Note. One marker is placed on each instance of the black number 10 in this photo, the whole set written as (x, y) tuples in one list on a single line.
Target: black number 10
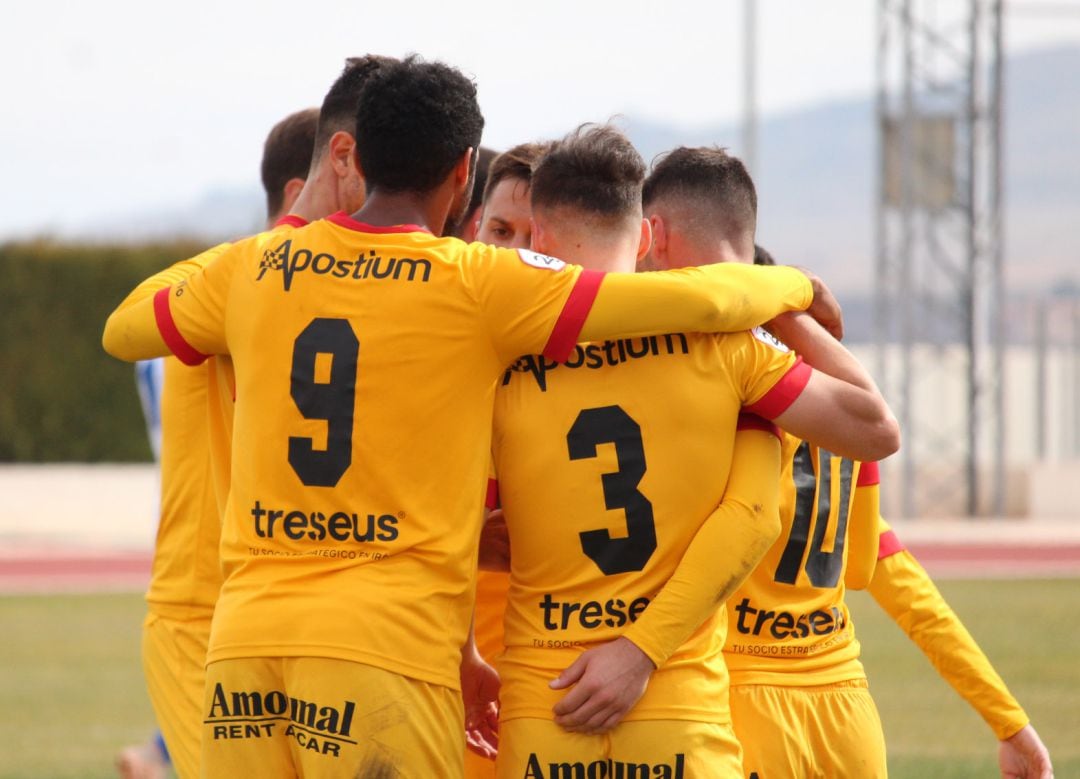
[(822, 568)]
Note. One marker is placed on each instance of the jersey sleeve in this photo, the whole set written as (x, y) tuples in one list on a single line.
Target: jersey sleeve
[(726, 548), (530, 303), (722, 298), (864, 528), (533, 303), (770, 375), (905, 591), (131, 332), (190, 315)]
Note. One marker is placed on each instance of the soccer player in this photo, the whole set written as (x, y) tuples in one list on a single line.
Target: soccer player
[(506, 213), (799, 697), (366, 352), (286, 161), (669, 407), (503, 220), (466, 227), (195, 406)]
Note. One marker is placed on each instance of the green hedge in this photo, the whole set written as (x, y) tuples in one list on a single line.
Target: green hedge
[(61, 397)]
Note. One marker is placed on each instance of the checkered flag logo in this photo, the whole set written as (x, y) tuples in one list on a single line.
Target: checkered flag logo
[(274, 259)]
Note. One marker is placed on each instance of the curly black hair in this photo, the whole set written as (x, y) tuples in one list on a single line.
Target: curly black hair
[(595, 169), (414, 122)]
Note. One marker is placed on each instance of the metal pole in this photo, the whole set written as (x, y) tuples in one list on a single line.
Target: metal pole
[(906, 260), (1075, 377), (750, 128), (997, 217), (969, 302), (883, 306), (1040, 378)]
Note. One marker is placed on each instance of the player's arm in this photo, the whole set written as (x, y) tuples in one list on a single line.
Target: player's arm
[(839, 408), (132, 331), (905, 591), (480, 696), (863, 528), (608, 680), (178, 311), (711, 298)]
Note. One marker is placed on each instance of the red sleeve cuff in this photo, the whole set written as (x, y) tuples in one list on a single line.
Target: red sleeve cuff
[(184, 351), (868, 475), (783, 394), (491, 500), (564, 336), (888, 545), (754, 422)]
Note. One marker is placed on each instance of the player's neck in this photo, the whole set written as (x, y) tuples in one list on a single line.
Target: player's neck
[(318, 199), (384, 209)]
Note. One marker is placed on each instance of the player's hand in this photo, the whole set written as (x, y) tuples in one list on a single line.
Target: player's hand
[(495, 543), (1023, 756), (480, 695), (825, 308), (607, 680)]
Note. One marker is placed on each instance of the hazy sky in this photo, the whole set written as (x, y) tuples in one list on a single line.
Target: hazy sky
[(121, 106)]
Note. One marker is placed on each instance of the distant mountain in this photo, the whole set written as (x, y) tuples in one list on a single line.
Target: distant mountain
[(816, 177), (816, 182)]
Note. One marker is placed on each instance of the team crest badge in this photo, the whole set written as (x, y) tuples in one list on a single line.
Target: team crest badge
[(541, 261)]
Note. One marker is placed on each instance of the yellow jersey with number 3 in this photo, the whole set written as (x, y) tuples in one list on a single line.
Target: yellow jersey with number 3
[(607, 466)]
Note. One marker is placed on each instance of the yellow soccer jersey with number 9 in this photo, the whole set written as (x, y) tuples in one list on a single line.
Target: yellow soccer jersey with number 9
[(607, 465)]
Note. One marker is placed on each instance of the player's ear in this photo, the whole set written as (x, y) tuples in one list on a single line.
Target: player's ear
[(537, 238), (342, 148), (659, 236), (463, 168), (645, 242), (291, 191)]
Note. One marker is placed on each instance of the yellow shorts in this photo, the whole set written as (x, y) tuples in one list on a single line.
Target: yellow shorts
[(827, 732), (317, 717), (670, 748), (174, 662)]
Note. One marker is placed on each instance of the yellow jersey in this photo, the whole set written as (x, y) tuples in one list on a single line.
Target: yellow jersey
[(607, 466), (788, 624), (365, 363)]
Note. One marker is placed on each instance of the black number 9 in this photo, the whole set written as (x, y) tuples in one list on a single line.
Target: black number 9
[(332, 400)]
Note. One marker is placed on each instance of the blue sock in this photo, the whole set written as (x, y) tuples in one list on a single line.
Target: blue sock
[(160, 741)]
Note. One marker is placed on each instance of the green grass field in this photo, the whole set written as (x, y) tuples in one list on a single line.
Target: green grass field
[(73, 690)]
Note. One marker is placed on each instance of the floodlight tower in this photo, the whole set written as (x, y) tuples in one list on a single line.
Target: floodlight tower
[(938, 285)]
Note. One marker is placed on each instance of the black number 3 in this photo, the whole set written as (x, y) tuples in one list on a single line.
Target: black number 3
[(612, 425), (332, 400)]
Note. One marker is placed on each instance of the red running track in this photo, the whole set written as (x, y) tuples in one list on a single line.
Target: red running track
[(76, 571)]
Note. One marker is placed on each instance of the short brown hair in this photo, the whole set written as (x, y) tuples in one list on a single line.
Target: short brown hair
[(338, 110), (287, 155), (515, 163), (709, 178), (594, 169)]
